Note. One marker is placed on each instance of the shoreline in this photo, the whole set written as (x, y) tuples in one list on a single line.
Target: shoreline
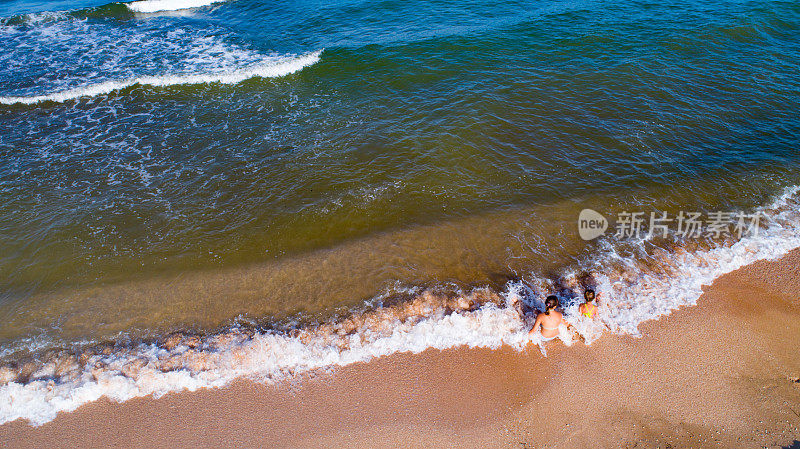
[(719, 374)]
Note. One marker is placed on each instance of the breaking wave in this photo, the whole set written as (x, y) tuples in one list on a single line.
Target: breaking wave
[(280, 66), (150, 6), (633, 289), (110, 10)]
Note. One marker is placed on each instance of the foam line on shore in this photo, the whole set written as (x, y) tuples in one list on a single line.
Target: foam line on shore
[(632, 291)]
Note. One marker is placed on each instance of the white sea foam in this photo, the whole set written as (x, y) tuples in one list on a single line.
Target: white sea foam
[(628, 296), (150, 6), (264, 356), (652, 293), (277, 67)]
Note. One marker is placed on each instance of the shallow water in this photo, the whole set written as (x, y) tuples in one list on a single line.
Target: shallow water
[(278, 165)]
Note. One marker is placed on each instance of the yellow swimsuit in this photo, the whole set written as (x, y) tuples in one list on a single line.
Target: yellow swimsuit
[(589, 313)]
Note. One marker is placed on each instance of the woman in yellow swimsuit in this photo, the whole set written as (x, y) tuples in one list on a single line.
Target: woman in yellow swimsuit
[(549, 321), (588, 309)]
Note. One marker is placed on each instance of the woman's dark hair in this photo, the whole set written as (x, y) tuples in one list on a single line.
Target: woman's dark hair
[(589, 295), (550, 303)]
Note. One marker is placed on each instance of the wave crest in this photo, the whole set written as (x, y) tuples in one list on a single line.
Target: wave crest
[(281, 67), (151, 6)]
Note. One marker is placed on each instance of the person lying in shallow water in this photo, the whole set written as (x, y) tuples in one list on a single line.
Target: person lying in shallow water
[(549, 320), (589, 308)]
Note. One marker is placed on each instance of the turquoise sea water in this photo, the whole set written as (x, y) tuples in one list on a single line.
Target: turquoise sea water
[(168, 168)]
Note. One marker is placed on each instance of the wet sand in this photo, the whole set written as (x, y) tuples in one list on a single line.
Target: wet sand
[(721, 374)]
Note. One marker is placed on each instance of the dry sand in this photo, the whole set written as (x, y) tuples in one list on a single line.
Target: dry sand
[(722, 374)]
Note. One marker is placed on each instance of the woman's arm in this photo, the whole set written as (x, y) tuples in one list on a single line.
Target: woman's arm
[(536, 324)]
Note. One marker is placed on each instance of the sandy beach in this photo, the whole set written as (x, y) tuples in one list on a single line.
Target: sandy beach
[(290, 224), (721, 374)]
